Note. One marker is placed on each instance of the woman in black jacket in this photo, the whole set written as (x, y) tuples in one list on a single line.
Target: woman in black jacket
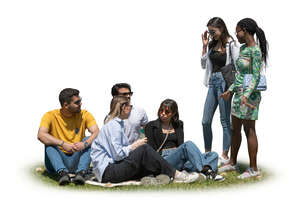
[(165, 135)]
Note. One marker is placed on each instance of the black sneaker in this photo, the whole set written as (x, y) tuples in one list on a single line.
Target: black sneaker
[(211, 175), (79, 178), (90, 175), (64, 178)]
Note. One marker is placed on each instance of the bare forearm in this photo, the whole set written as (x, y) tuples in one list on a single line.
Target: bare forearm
[(94, 130), (92, 138), (48, 139), (204, 50)]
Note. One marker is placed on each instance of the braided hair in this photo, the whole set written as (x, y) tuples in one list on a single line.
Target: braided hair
[(220, 24), (252, 28)]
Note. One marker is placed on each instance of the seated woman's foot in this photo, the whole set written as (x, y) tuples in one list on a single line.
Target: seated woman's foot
[(211, 175), (201, 176), (249, 173), (161, 179), (228, 167), (185, 177)]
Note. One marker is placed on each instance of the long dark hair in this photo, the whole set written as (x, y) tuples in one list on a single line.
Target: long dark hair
[(220, 24), (252, 28), (172, 105)]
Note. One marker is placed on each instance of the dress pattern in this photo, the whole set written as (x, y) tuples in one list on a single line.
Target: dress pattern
[(247, 55)]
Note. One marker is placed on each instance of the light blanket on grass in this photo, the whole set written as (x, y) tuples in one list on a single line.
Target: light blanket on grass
[(110, 185)]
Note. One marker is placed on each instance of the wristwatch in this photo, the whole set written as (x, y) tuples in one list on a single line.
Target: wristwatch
[(86, 144)]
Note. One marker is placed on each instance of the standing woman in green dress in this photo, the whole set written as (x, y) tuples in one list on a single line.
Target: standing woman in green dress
[(246, 101)]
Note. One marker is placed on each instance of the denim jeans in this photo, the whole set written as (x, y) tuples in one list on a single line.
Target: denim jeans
[(216, 88), (56, 160), (188, 157)]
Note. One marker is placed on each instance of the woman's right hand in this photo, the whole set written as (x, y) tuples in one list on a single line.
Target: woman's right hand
[(205, 39), (138, 143)]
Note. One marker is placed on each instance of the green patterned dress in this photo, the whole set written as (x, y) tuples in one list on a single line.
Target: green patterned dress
[(254, 97)]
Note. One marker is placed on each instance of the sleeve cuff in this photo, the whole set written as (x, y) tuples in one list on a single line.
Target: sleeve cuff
[(127, 150)]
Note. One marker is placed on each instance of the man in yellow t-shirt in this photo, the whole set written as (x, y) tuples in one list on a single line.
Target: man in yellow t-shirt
[(67, 150)]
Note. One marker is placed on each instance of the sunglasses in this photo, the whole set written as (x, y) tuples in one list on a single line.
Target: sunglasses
[(126, 93), (77, 102), (166, 111)]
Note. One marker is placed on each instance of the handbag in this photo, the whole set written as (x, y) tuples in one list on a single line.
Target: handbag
[(228, 71), (262, 84)]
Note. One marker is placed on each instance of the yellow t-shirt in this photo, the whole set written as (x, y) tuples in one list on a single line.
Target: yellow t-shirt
[(70, 130)]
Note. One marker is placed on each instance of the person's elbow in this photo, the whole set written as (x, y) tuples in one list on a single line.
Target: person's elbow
[(41, 136), (94, 130)]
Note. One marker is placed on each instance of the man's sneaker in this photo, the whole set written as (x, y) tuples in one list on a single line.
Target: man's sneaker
[(64, 177), (161, 179), (79, 178), (184, 177), (90, 175), (222, 161), (201, 177), (249, 173), (228, 167), (211, 175)]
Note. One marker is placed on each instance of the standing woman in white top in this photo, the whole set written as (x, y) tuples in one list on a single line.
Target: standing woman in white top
[(215, 55)]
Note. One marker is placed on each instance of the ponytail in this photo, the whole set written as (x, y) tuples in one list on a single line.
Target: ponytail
[(251, 26), (263, 43)]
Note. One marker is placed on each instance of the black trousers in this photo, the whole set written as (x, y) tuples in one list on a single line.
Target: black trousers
[(141, 162)]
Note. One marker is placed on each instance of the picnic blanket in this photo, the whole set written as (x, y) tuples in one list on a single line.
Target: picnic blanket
[(110, 185)]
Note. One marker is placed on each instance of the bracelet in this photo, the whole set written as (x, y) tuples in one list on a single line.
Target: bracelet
[(62, 143), (86, 144)]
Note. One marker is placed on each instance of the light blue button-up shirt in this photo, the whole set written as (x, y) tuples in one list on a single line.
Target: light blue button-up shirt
[(111, 145), (132, 126)]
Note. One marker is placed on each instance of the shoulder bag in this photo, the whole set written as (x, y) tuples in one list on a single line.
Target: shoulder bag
[(228, 71)]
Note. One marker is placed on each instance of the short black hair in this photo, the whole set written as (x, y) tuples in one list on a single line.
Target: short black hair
[(65, 96), (116, 87)]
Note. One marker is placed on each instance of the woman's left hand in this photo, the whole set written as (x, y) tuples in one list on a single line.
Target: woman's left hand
[(225, 95), (245, 101)]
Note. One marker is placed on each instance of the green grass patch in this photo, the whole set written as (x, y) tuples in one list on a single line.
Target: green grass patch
[(231, 181)]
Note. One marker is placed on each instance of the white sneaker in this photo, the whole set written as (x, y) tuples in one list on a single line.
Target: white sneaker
[(161, 179), (185, 177), (222, 161), (201, 177), (228, 167), (249, 173)]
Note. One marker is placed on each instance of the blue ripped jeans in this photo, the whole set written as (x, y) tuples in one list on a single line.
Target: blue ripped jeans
[(216, 88), (188, 157), (56, 160)]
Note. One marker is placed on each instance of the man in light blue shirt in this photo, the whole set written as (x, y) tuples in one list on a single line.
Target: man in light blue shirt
[(137, 118)]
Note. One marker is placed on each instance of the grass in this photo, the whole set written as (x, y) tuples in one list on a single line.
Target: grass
[(231, 181)]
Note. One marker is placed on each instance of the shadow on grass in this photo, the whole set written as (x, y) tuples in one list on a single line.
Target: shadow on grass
[(39, 173)]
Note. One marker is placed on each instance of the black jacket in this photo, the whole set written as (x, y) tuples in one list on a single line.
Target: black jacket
[(153, 132)]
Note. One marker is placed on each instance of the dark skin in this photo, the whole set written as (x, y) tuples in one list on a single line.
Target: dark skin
[(249, 125)]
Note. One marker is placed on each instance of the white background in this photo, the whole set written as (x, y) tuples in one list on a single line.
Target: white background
[(155, 46)]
